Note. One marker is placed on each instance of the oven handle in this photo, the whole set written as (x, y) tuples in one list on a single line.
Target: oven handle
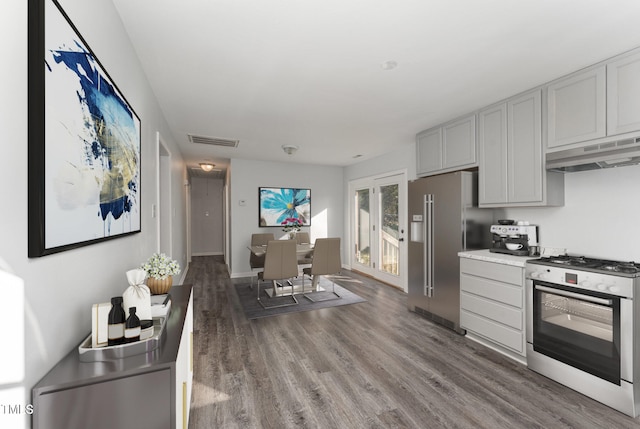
[(593, 299)]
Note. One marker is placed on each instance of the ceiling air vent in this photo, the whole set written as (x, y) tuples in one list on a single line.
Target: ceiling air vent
[(214, 141)]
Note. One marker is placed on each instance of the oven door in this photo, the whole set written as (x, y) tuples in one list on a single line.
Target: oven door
[(580, 328)]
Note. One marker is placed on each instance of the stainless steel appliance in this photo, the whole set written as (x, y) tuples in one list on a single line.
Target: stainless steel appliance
[(443, 220), (582, 316), (606, 154), (513, 239)]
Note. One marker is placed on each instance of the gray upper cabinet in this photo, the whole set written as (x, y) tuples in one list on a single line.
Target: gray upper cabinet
[(511, 164), (429, 150), (449, 147), (525, 165), (459, 143), (595, 104), (492, 155), (623, 95), (577, 108)]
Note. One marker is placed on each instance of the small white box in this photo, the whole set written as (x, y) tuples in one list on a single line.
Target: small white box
[(100, 324)]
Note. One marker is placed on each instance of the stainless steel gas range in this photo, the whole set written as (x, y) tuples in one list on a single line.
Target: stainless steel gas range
[(582, 316)]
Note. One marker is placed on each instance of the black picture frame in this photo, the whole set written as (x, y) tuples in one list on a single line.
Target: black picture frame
[(84, 141), (277, 204)]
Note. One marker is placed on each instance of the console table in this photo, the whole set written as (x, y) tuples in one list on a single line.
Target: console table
[(151, 390)]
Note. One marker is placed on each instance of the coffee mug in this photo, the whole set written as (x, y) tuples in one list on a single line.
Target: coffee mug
[(514, 246)]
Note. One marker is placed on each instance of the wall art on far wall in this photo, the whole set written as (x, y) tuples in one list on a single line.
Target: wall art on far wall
[(278, 204), (84, 141)]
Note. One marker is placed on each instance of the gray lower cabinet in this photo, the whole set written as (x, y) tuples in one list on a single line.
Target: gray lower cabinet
[(147, 391), (492, 305), (511, 163)]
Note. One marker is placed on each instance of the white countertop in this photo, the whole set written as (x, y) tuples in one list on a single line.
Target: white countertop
[(499, 258)]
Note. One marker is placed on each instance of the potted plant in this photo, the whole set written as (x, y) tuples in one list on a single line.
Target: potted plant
[(160, 270), (291, 225)]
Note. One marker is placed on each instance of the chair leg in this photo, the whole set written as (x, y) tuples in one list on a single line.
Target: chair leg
[(267, 307), (326, 299)]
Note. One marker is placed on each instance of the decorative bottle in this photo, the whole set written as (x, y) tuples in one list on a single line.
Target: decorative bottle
[(132, 327), (117, 319)]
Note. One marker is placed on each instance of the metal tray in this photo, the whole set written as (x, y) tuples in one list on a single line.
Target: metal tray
[(110, 353)]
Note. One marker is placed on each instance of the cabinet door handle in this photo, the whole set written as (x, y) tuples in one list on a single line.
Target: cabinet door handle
[(184, 405), (191, 351)]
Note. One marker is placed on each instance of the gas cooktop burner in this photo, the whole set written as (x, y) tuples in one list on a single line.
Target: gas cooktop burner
[(592, 264), (622, 267)]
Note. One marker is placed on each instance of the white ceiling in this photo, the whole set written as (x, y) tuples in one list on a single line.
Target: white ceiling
[(309, 73)]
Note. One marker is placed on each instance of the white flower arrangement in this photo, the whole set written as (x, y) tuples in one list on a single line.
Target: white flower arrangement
[(160, 266)]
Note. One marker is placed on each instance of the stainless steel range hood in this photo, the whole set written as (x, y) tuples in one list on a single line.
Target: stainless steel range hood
[(616, 153)]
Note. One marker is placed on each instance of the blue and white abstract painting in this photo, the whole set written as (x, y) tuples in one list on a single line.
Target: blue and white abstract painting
[(278, 204), (92, 143)]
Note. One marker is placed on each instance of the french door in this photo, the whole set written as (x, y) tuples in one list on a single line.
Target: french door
[(377, 228)]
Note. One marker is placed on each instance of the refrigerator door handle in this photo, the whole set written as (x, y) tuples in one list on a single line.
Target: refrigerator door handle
[(428, 246)]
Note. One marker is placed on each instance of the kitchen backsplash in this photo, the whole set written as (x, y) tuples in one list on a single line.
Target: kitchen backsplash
[(600, 218)]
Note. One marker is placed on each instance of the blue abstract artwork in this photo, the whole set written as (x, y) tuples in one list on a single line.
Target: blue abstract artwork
[(91, 143), (279, 204)]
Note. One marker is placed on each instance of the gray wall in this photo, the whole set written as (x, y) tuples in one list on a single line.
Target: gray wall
[(60, 288), (207, 221), (247, 176)]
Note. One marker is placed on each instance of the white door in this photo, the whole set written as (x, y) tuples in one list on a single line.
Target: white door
[(378, 224), (164, 213)]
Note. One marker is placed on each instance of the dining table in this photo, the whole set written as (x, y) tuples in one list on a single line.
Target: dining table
[(301, 249)]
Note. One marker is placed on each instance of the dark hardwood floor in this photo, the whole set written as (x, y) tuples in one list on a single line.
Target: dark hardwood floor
[(368, 365)]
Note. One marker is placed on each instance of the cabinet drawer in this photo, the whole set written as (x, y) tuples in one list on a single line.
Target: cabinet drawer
[(109, 404), (492, 270), (497, 291), (501, 313), (497, 333)]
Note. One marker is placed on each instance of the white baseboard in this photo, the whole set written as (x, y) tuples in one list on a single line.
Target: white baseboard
[(249, 274), (208, 254)]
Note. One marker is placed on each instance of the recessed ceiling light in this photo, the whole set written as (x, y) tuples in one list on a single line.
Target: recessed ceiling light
[(389, 65)]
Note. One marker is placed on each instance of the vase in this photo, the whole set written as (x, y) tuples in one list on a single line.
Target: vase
[(159, 286), (292, 235)]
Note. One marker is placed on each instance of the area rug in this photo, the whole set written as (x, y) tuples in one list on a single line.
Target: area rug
[(253, 309)]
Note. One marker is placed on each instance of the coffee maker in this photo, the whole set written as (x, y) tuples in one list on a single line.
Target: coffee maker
[(513, 239)]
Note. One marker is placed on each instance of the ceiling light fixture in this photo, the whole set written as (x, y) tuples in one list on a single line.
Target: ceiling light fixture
[(289, 149), (207, 166), (389, 65)]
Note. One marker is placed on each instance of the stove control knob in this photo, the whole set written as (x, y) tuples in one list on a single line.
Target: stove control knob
[(601, 286), (586, 284), (534, 274), (614, 289)]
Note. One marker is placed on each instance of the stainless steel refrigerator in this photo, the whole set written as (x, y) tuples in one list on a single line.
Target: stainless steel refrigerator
[(444, 219)]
